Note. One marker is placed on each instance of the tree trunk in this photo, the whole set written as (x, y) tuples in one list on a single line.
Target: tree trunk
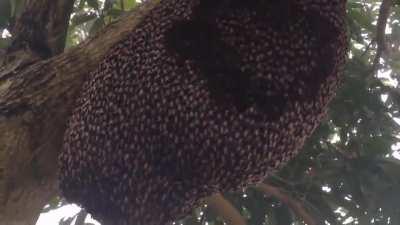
[(36, 97)]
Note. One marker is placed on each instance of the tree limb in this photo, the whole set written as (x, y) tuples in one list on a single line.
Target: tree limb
[(42, 27), (50, 81), (35, 102), (292, 203), (384, 13), (225, 209)]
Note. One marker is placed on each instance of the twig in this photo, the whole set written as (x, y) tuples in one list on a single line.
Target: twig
[(368, 47)]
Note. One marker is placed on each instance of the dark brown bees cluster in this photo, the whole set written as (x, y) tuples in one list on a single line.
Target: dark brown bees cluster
[(202, 97)]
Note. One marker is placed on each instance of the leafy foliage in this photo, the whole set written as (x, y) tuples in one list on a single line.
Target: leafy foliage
[(9, 11), (90, 16)]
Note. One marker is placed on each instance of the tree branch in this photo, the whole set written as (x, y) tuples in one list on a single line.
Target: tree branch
[(51, 81), (292, 203), (384, 13), (42, 27), (35, 102), (225, 209)]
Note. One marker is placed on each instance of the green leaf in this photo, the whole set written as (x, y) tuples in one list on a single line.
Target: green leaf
[(97, 25), (108, 4), (377, 145), (81, 4), (125, 5), (79, 19), (5, 13), (129, 4), (114, 12), (93, 3), (4, 42), (16, 7), (245, 213), (320, 206), (283, 215), (361, 18), (391, 166)]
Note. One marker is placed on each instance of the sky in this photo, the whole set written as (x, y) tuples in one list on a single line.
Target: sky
[(54, 216)]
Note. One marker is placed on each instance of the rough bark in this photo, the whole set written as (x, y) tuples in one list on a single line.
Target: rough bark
[(42, 27), (35, 100), (381, 49)]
